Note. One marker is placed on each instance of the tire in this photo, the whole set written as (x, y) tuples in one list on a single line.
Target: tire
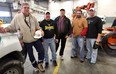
[(11, 67), (107, 46)]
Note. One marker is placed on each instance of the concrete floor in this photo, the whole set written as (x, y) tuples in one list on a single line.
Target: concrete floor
[(105, 64)]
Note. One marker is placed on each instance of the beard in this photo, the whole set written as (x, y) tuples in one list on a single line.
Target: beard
[(78, 16)]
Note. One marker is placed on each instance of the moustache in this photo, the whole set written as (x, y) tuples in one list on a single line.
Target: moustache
[(78, 16)]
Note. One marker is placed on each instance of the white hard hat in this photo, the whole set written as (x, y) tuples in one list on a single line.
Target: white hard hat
[(38, 34)]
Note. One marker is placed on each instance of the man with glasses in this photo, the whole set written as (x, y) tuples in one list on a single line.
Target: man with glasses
[(79, 29)]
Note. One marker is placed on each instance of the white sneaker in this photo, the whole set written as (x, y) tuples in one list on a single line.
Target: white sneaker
[(61, 58), (36, 69)]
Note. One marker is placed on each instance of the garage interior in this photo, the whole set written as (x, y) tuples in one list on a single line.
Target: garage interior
[(106, 64)]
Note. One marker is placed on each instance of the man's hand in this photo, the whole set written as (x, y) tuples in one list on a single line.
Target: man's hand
[(42, 32), (98, 38), (2, 30), (42, 42), (71, 35), (21, 42), (66, 36), (56, 40)]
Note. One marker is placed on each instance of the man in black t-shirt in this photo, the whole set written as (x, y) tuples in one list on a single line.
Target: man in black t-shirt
[(93, 34), (50, 30)]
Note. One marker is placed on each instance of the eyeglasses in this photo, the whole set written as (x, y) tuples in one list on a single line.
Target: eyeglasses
[(26, 7)]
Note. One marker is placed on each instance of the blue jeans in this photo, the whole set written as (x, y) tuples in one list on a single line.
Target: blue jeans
[(49, 43), (78, 42), (92, 53)]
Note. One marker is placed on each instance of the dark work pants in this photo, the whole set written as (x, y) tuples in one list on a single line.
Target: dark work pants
[(39, 48), (63, 42)]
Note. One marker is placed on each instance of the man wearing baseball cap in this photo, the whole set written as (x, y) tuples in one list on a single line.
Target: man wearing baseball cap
[(93, 34), (79, 29), (50, 31)]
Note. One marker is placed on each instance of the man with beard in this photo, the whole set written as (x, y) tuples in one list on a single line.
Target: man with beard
[(79, 29)]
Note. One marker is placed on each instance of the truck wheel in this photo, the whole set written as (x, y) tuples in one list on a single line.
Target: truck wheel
[(109, 44), (11, 67)]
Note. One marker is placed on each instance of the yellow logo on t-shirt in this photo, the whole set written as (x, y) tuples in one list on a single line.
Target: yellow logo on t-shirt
[(49, 27)]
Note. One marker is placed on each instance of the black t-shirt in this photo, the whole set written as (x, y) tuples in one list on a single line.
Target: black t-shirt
[(49, 28), (94, 27)]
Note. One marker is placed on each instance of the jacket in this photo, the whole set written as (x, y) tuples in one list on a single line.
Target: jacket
[(78, 25), (67, 25), (18, 23)]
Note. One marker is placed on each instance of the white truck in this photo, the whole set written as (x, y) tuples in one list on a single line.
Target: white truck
[(11, 57)]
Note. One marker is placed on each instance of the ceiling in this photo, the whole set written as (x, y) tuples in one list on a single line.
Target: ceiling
[(43, 3)]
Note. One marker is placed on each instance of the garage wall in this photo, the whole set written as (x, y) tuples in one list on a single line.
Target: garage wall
[(39, 16), (54, 7), (107, 8), (5, 13)]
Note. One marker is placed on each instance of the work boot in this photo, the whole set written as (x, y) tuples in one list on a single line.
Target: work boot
[(81, 61), (55, 63), (73, 57), (46, 65), (40, 67)]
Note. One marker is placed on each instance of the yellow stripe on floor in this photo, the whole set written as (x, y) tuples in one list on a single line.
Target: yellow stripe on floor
[(57, 67)]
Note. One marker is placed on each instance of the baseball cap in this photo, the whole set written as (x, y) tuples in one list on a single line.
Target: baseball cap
[(62, 9), (38, 34), (47, 13), (92, 9)]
